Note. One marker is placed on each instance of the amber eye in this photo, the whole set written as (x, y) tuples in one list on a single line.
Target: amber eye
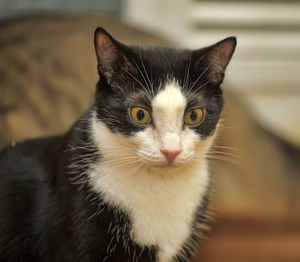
[(194, 116), (140, 115)]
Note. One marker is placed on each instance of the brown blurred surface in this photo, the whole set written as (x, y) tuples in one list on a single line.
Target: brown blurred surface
[(244, 239), (47, 79)]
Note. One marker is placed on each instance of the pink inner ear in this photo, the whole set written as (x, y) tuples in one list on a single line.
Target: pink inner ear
[(222, 52), (216, 59), (107, 52), (112, 62)]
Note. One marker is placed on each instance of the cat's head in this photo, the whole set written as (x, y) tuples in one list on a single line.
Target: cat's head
[(157, 107)]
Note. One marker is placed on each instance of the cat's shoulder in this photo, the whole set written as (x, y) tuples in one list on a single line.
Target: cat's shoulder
[(29, 157)]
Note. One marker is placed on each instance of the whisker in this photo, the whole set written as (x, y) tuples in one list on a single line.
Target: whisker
[(227, 147), (199, 77), (147, 91), (197, 89), (118, 164), (219, 157), (141, 58), (144, 88), (79, 147), (187, 72), (225, 159), (224, 153)]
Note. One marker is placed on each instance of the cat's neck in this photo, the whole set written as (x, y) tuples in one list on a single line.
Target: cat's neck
[(161, 208)]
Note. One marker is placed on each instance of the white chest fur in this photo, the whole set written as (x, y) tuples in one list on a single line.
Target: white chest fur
[(161, 208)]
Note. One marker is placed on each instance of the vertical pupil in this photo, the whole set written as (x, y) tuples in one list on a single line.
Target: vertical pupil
[(140, 115), (193, 115)]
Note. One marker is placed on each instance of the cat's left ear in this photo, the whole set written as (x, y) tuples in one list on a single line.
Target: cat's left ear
[(112, 61), (216, 58)]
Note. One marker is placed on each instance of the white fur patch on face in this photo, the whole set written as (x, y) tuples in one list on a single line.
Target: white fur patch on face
[(132, 174), (167, 132), (167, 113)]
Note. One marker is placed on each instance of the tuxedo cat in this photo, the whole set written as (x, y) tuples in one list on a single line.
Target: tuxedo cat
[(129, 181)]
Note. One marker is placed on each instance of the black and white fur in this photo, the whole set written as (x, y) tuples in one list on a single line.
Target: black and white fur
[(104, 191)]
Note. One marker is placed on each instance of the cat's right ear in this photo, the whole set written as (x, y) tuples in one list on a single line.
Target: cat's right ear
[(112, 62), (215, 59)]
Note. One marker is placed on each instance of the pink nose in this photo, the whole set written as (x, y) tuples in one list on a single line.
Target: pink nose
[(170, 155)]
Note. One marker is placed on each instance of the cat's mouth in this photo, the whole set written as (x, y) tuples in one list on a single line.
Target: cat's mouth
[(166, 165)]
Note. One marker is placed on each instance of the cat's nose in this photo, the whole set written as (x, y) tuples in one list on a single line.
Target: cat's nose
[(170, 154)]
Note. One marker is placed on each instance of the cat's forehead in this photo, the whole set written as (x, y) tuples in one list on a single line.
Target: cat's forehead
[(157, 69), (161, 53), (161, 63), (166, 96), (170, 97)]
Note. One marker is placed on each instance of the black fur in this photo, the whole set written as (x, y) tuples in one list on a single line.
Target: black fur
[(48, 212)]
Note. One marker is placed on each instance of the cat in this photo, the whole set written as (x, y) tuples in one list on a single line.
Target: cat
[(129, 181)]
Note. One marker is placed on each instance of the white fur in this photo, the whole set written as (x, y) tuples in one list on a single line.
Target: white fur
[(133, 174), (167, 112)]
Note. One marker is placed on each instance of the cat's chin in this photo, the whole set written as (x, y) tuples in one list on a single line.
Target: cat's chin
[(166, 166)]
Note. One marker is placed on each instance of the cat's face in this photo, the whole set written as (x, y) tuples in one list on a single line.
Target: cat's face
[(157, 107)]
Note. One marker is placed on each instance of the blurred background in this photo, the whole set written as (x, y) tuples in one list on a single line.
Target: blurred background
[(48, 75)]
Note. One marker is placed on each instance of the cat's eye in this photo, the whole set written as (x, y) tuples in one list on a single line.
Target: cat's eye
[(140, 115), (194, 116)]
